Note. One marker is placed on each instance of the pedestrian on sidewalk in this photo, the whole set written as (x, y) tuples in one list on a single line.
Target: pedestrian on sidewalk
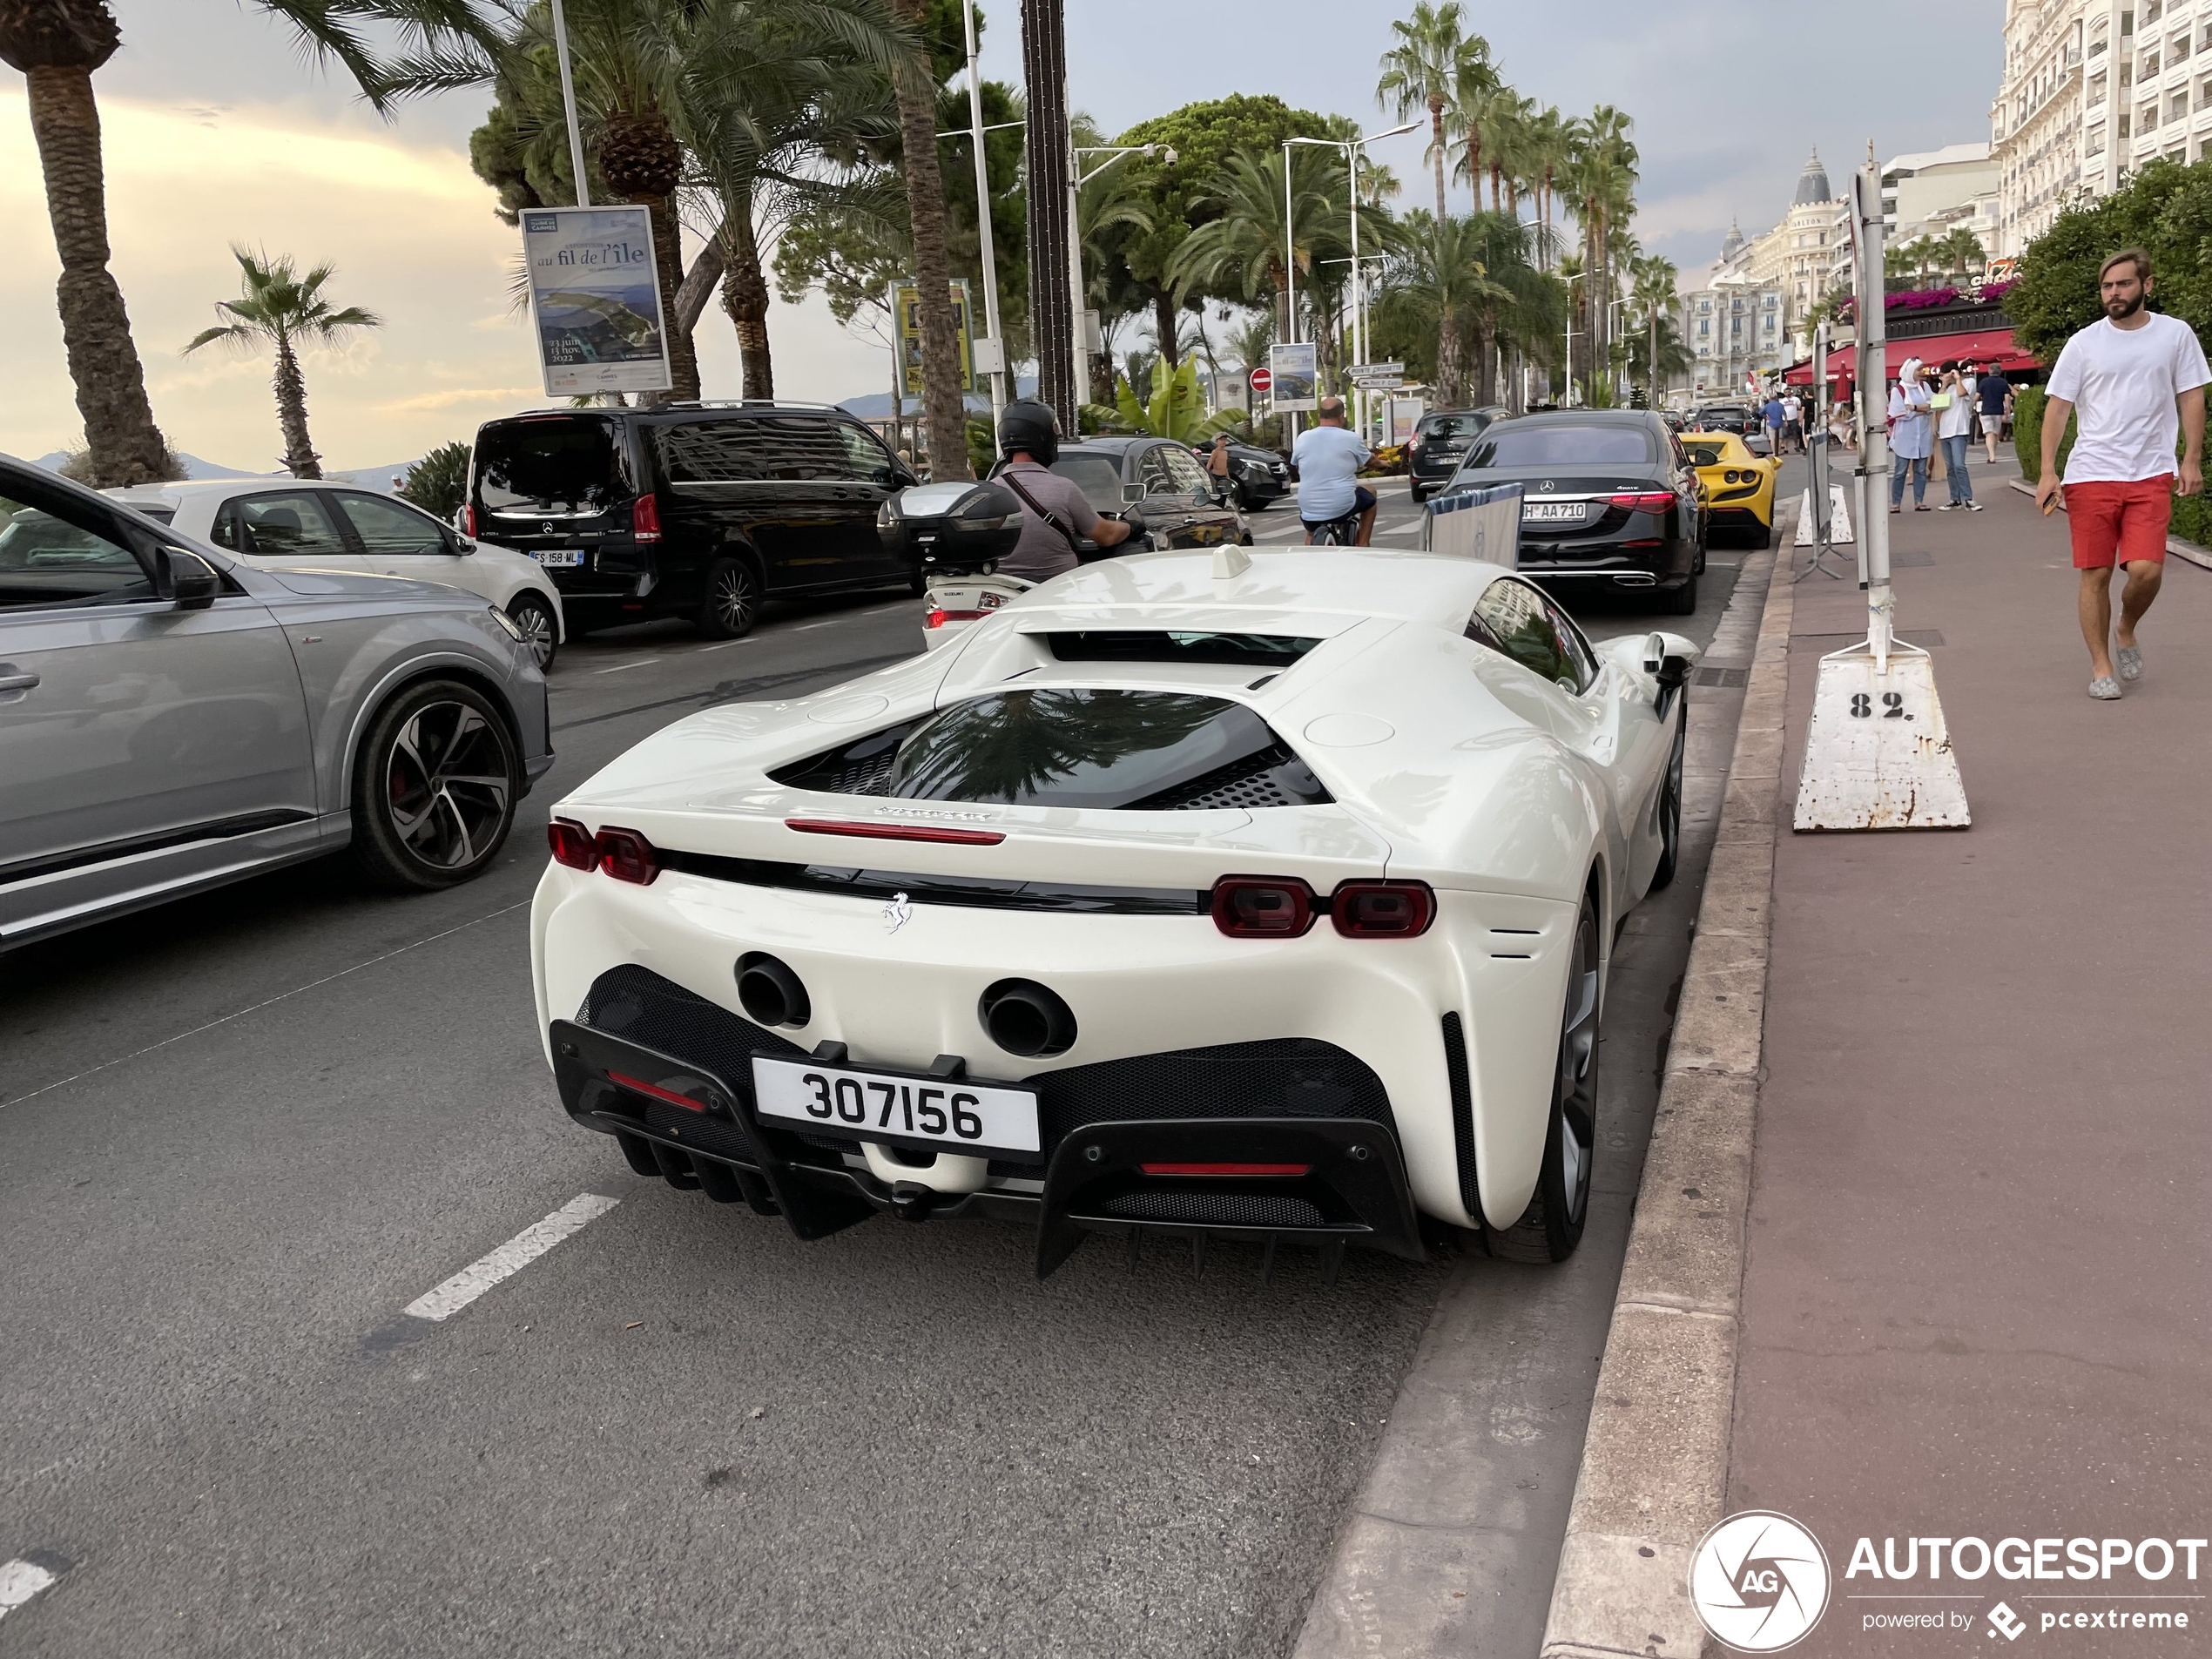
[(1772, 415), (1843, 424), (1912, 436), (1793, 422), (2130, 380), (1954, 426), (1996, 395)]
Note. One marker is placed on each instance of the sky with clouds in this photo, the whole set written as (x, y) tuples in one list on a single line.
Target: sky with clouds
[(216, 131)]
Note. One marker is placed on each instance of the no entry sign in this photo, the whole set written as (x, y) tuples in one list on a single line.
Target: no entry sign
[(1263, 378)]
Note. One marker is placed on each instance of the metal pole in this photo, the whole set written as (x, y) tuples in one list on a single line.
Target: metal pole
[(1359, 334), (1075, 292), (1290, 275), (1044, 70), (567, 103), (1873, 449), (983, 221)]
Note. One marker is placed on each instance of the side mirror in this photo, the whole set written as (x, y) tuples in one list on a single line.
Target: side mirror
[(1132, 495), (459, 543), (192, 582)]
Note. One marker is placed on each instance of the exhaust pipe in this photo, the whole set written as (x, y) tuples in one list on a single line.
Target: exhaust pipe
[(1635, 579), (770, 993), (1024, 1018)]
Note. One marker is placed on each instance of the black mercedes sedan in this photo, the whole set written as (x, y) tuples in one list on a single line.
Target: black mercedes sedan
[(1258, 476), (1610, 498)]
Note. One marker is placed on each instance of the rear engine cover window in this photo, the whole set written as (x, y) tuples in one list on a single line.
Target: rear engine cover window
[(1080, 746), (564, 465), (1101, 645), (1513, 443)]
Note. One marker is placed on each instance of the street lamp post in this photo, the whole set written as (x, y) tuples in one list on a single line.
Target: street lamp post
[(1566, 366), (568, 104), (983, 225), (1351, 148), (1076, 180)]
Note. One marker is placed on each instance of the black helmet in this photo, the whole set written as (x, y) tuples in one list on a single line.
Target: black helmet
[(1030, 425)]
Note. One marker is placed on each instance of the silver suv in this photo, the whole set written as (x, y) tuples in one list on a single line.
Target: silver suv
[(172, 719)]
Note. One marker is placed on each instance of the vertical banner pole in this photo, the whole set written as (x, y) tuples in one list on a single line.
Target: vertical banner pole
[(568, 104), (983, 223), (1874, 447)]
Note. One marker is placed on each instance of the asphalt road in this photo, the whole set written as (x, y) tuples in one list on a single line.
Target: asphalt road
[(239, 1134)]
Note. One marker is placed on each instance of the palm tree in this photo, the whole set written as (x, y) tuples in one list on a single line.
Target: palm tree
[(57, 44), (943, 388), (284, 310), (1473, 85), (1963, 252), (1435, 286), (1495, 140), (1655, 279), (1549, 151), (1424, 71), (1244, 250), (1603, 178)]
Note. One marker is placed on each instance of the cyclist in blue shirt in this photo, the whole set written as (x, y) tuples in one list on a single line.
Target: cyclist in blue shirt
[(1327, 459)]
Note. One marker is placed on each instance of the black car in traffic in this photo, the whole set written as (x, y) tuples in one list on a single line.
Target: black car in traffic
[(689, 509), (1610, 499), (1256, 476), (1439, 439)]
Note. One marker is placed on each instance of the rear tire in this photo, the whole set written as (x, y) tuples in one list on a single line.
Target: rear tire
[(1418, 494), (434, 787), (1765, 538), (1552, 1226), (1670, 801), (534, 617), (731, 604), (1682, 601)]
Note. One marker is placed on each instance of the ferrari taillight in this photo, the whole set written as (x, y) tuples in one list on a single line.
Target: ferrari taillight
[(627, 856), (571, 843), (1382, 909), (939, 618), (1262, 907), (1644, 501)]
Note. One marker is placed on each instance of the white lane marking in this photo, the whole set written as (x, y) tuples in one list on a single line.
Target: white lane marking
[(19, 1582), (432, 938), (719, 644), (518, 1252), (619, 667)]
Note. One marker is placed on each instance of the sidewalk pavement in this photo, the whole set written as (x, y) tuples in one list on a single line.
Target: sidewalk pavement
[(1980, 1260)]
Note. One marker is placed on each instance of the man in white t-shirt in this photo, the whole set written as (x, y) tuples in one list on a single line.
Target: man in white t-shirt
[(2131, 380), (1327, 458)]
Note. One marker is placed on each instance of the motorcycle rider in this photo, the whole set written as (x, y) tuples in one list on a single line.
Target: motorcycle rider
[(1054, 510), (1327, 460)]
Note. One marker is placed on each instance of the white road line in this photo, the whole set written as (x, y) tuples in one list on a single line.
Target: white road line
[(19, 1582), (619, 667), (518, 1252), (445, 932)]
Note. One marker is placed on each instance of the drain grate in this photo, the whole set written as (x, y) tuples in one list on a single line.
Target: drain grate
[(1723, 677)]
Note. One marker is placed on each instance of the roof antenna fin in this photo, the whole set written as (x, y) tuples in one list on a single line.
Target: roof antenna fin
[(1230, 561)]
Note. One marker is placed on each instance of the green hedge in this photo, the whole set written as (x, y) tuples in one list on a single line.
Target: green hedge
[(2192, 514)]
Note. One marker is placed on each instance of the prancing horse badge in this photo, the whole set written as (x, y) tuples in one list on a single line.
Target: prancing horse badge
[(897, 913)]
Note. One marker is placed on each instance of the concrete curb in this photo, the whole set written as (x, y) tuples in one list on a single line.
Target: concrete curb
[(2175, 545), (1655, 1462)]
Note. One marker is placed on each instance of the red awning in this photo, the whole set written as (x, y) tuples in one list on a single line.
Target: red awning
[(1984, 346)]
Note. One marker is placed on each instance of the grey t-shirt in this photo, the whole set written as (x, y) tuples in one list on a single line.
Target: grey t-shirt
[(1042, 552)]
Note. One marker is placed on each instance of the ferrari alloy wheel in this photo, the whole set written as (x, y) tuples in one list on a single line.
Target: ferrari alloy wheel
[(1670, 804), (731, 604), (534, 617), (434, 787), (1552, 1225)]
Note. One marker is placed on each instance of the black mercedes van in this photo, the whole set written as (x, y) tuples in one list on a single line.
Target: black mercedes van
[(689, 509)]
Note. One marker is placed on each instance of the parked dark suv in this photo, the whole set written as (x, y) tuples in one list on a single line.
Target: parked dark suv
[(689, 509), (1439, 439)]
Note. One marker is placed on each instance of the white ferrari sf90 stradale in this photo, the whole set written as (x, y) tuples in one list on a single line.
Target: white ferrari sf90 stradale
[(1264, 896)]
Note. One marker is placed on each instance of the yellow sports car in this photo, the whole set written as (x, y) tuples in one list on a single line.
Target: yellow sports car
[(1739, 486)]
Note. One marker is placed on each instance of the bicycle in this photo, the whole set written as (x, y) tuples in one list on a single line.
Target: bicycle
[(1339, 532)]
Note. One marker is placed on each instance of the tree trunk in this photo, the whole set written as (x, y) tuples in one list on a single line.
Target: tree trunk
[(943, 386), (744, 296), (300, 457), (1436, 127), (1164, 319), (124, 446), (1447, 360), (1475, 165), (1486, 385), (668, 260)]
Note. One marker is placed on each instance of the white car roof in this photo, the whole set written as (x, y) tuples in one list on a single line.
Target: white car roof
[(179, 489)]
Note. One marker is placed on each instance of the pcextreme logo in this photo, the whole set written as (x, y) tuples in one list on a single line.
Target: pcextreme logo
[(1760, 1582)]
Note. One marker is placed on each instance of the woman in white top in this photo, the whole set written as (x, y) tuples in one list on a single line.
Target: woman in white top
[(1911, 440), (1954, 429), (1842, 428)]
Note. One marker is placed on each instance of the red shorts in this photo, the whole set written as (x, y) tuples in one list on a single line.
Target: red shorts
[(2118, 524)]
